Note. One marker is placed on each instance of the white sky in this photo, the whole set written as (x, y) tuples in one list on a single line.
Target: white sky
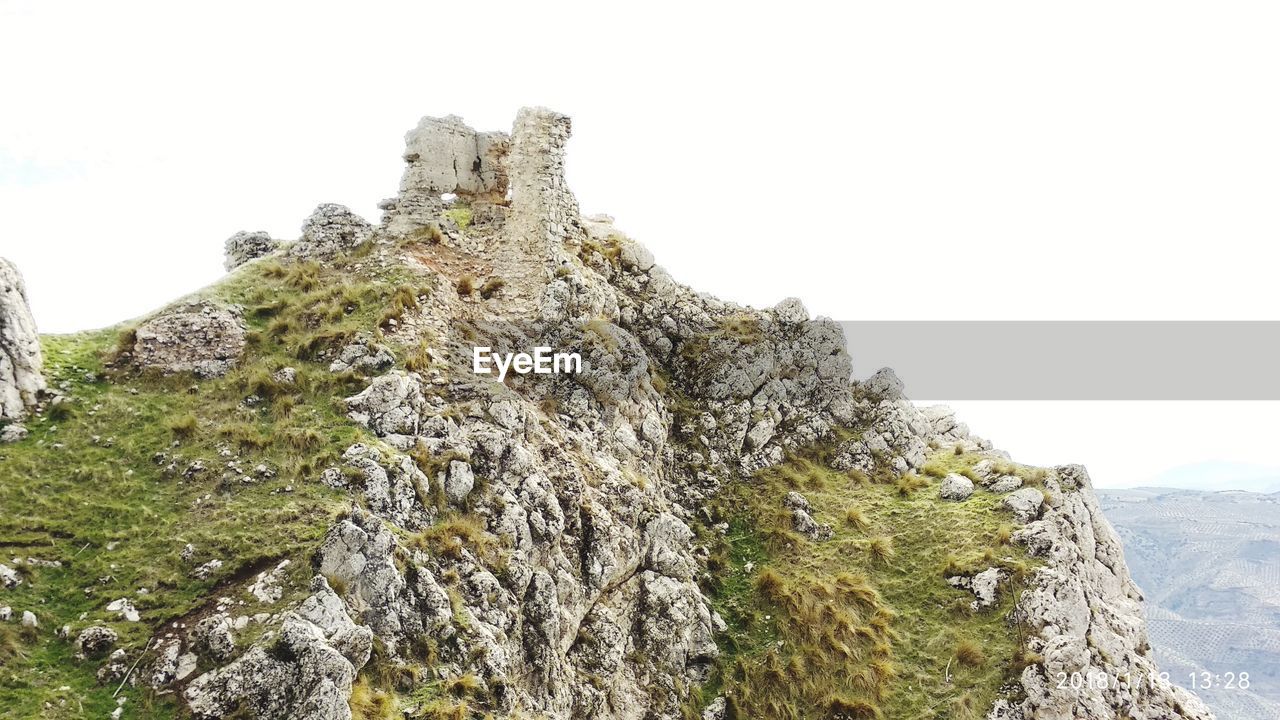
[(915, 160)]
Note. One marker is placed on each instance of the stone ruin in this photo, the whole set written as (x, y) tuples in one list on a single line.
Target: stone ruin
[(21, 381), (514, 180), (513, 183)]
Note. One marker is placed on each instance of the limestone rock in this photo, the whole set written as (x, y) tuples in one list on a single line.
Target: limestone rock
[(245, 246), (95, 640), (1085, 616), (9, 578), (1025, 503), (329, 230), (29, 619), (391, 405), (801, 519), (21, 381), (458, 481), (213, 637), (1006, 483), (363, 355), (198, 337), (13, 433), (114, 668), (983, 585), (299, 671), (956, 487)]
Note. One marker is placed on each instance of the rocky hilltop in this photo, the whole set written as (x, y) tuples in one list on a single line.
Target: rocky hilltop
[(289, 495)]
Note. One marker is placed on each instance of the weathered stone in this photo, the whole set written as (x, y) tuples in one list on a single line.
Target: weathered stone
[(213, 637), (458, 482), (1006, 483), (9, 578), (198, 337), (245, 246), (125, 609), (268, 587), (1025, 503), (363, 355), (13, 433), (301, 672), (956, 487), (329, 230), (392, 404), (1084, 614), (21, 381), (95, 640)]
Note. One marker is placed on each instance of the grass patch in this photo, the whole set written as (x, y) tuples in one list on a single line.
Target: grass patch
[(139, 471), (863, 625)]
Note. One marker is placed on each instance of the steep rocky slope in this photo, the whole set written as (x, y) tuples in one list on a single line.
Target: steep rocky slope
[(290, 495)]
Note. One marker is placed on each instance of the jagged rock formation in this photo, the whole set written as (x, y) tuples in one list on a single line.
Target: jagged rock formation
[(20, 360), (541, 543), (1087, 617)]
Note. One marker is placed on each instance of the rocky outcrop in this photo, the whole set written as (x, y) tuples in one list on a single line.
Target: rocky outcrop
[(329, 230), (536, 535), (21, 381), (1086, 619), (198, 337), (245, 246), (304, 669)]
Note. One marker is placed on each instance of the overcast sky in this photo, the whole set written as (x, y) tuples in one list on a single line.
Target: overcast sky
[(937, 160)]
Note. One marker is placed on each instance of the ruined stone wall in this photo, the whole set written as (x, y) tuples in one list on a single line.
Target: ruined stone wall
[(444, 155), (544, 213)]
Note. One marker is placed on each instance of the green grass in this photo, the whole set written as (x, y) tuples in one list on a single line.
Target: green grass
[(103, 485), (863, 625), (460, 215)]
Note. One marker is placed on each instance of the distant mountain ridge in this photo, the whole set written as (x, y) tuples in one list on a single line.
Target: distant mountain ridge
[(1209, 566)]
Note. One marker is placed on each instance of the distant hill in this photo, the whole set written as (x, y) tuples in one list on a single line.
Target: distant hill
[(1209, 565)]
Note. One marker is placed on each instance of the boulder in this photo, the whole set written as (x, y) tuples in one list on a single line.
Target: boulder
[(983, 585), (329, 230), (9, 578), (1025, 503), (213, 637), (363, 355), (13, 433), (198, 337), (1006, 483), (956, 488), (802, 520), (391, 405), (20, 359), (95, 640), (245, 246)]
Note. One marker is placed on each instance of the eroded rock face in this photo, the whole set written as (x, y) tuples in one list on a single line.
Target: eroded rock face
[(1086, 617), (196, 337), (20, 360), (245, 246)]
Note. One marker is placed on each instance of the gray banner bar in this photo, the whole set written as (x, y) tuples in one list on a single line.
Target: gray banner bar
[(1085, 360)]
